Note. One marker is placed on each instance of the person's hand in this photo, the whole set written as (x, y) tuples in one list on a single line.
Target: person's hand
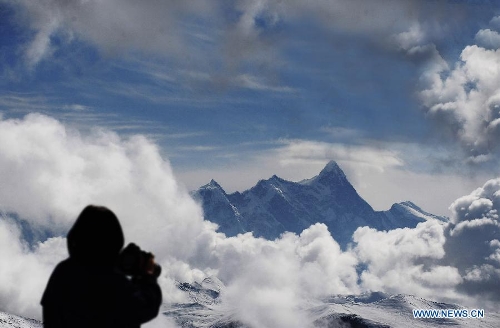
[(150, 265)]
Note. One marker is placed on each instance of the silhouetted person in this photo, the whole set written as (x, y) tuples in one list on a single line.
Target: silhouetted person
[(88, 290)]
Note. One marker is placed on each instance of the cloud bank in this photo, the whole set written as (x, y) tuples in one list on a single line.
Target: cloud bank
[(465, 98), (475, 219), (49, 172)]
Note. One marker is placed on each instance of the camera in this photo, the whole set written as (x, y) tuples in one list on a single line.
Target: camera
[(135, 262)]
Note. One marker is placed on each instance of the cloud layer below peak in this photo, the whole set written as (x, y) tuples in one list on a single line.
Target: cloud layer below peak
[(58, 171)]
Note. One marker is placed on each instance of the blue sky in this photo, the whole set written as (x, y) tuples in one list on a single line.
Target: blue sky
[(402, 94)]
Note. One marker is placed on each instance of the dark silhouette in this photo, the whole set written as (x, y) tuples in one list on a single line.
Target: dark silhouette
[(89, 290)]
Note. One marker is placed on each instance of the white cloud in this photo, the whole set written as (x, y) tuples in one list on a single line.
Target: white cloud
[(406, 260), (475, 223), (161, 322), (49, 173), (414, 37), (25, 103), (495, 22), (472, 244), (252, 82), (488, 39), (76, 107), (24, 273), (466, 98), (303, 150), (495, 245), (57, 171), (283, 275), (456, 261), (481, 203), (481, 273)]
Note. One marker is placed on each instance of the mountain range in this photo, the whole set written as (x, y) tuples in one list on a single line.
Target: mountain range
[(369, 310), (205, 308), (275, 205)]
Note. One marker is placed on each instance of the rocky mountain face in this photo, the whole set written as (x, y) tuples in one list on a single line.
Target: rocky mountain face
[(275, 206)]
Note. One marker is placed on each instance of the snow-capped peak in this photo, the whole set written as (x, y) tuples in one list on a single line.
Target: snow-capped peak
[(332, 168), (331, 175), (275, 205), (212, 185)]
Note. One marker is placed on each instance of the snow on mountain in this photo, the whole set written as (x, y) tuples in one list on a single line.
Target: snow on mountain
[(14, 321), (369, 310), (408, 208), (215, 200), (206, 293), (206, 309), (276, 205), (391, 311)]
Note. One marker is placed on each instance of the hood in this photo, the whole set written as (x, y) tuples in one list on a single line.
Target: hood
[(96, 237)]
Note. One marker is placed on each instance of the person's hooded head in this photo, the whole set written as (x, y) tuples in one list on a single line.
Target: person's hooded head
[(96, 237)]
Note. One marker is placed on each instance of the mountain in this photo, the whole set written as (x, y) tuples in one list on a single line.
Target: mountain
[(369, 310), (276, 205), (206, 309), (13, 321)]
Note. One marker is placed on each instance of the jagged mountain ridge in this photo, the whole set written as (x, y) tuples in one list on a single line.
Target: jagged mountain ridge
[(276, 205), (368, 310)]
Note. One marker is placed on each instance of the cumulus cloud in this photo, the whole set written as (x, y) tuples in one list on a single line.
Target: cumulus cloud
[(53, 172), (475, 220), (407, 260), (24, 272), (49, 173), (488, 39), (465, 98), (282, 275), (456, 261), (483, 202)]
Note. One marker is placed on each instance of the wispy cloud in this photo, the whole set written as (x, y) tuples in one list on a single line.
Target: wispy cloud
[(156, 71), (23, 102), (343, 133), (254, 83), (76, 107), (296, 151), (185, 135), (155, 94), (244, 29), (196, 148)]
